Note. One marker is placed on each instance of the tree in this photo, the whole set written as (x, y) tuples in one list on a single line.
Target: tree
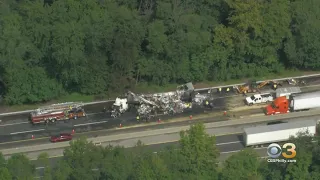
[(62, 171), (27, 85), (49, 48), (198, 154), (300, 169), (20, 167), (3, 161), (117, 163), (47, 173), (271, 171), (243, 165), (84, 158), (150, 166), (5, 174)]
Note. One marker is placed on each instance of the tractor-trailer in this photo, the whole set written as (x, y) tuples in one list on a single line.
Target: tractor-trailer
[(277, 132), (305, 101), (297, 102)]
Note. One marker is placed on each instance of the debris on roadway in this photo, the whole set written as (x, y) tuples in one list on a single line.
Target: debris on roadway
[(185, 96), (147, 105)]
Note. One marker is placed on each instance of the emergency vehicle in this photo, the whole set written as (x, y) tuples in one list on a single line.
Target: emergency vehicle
[(57, 112)]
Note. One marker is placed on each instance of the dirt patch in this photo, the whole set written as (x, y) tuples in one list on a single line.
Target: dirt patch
[(201, 85), (309, 72)]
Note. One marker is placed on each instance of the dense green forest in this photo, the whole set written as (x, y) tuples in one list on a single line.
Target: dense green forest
[(194, 159), (50, 47)]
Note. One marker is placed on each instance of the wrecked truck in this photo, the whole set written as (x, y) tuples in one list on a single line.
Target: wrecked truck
[(119, 107), (147, 105)]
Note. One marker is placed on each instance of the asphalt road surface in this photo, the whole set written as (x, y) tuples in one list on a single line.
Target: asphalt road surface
[(227, 146), (16, 127), (93, 122), (97, 108), (151, 136), (104, 131)]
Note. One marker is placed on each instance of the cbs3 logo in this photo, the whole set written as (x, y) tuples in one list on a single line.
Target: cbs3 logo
[(274, 150)]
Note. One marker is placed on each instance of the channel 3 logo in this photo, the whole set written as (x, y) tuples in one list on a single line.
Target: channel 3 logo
[(288, 150)]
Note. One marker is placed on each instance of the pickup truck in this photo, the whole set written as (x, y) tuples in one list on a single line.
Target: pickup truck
[(259, 98)]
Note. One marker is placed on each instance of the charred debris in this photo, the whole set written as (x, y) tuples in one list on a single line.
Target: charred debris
[(149, 105)]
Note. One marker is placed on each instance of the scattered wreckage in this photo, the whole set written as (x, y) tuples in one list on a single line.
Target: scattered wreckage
[(148, 105), (185, 96)]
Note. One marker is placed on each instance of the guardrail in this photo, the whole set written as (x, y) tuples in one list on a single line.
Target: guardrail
[(281, 79), (201, 89)]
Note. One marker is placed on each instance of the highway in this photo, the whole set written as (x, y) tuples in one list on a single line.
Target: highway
[(227, 145), (225, 126), (153, 136), (16, 127), (14, 131)]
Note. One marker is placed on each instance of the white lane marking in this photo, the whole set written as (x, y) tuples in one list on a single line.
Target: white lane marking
[(91, 123), (219, 144), (227, 152), (111, 100), (13, 124), (26, 131), (95, 113)]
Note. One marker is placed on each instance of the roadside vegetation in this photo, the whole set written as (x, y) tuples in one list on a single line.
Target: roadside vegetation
[(86, 50), (196, 157)]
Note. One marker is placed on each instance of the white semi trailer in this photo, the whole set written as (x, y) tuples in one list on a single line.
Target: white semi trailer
[(277, 132), (305, 101)]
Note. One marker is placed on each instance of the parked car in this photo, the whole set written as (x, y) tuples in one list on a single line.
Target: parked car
[(61, 137)]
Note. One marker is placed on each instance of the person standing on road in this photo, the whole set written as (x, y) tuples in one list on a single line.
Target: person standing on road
[(138, 118), (274, 86)]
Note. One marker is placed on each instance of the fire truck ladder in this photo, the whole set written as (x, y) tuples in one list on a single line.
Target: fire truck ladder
[(62, 106)]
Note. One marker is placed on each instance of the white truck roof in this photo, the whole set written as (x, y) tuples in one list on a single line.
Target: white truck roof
[(288, 90), (119, 101), (277, 132), (278, 127), (307, 95)]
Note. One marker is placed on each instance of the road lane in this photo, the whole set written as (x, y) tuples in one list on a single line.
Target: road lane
[(262, 152), (171, 134), (25, 130), (97, 108), (82, 125), (223, 143), (238, 127), (226, 150)]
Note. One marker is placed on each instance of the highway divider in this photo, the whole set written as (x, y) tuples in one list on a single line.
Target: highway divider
[(215, 128), (280, 79), (200, 89)]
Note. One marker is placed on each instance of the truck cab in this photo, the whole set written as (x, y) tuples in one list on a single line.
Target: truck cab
[(279, 106)]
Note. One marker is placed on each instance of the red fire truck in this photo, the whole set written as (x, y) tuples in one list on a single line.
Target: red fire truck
[(57, 112)]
